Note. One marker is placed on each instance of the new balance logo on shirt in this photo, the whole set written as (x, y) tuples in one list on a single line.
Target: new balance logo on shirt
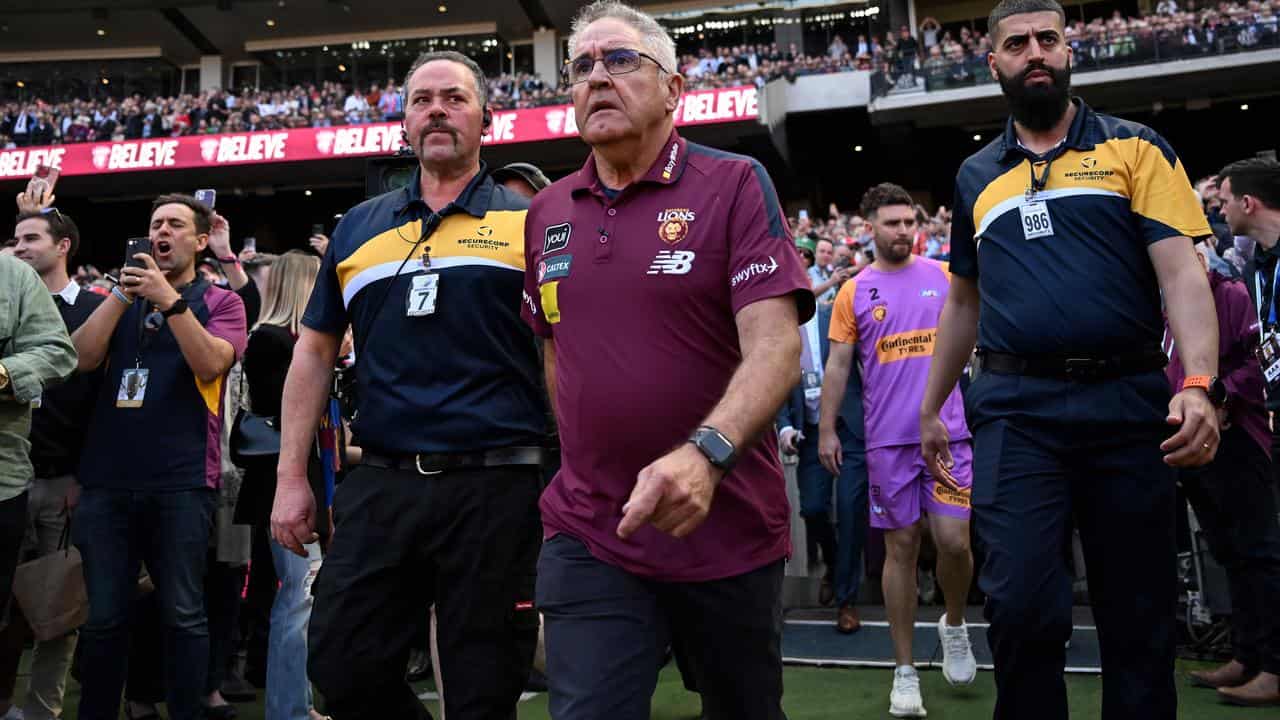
[(672, 262)]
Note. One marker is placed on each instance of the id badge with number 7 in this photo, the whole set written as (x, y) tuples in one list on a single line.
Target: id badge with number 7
[(423, 292)]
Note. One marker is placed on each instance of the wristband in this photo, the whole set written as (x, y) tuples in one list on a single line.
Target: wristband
[(1204, 382), (232, 260), (117, 294)]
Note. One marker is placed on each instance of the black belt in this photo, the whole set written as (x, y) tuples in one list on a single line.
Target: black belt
[(1078, 369), (436, 463)]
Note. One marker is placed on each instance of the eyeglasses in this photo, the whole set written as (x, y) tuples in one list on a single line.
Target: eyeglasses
[(616, 62)]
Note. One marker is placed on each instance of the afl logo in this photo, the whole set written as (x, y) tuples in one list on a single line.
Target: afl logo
[(879, 312)]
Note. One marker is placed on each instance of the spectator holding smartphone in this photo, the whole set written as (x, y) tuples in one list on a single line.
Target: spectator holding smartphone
[(151, 460)]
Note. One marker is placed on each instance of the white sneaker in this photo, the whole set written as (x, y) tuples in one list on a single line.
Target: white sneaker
[(959, 667), (904, 698)]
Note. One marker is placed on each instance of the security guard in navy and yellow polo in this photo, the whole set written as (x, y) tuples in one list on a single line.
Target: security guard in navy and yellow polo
[(1067, 230), (451, 416)]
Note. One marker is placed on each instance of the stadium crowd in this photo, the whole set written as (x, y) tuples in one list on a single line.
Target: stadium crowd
[(41, 121), (944, 58), (934, 56)]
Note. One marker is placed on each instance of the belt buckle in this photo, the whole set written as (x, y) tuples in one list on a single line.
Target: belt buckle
[(417, 462), (1082, 368)]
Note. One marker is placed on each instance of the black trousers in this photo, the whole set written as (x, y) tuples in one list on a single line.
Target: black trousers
[(607, 630), (466, 541), (1047, 452), (13, 526), (255, 617), (1236, 506), (222, 583)]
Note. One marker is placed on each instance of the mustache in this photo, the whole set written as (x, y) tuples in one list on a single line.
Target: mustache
[(437, 124), (1054, 74)]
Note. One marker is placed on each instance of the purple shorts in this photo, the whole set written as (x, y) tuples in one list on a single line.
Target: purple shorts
[(901, 486)]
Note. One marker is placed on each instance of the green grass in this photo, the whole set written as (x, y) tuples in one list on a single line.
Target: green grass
[(838, 693)]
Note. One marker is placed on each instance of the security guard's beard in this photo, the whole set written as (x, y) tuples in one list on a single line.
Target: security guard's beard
[(1037, 107)]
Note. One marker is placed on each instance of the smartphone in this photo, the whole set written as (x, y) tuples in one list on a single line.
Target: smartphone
[(208, 197), (133, 247), (49, 174), (251, 243), (844, 262), (803, 214), (317, 229)]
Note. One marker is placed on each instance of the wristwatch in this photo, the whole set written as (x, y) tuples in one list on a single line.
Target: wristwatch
[(177, 308), (718, 449), (4, 379), (1212, 386)]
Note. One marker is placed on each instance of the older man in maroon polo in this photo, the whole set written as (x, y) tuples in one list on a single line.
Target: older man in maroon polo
[(663, 278)]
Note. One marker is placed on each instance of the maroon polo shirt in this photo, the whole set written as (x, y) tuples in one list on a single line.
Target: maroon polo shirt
[(639, 294)]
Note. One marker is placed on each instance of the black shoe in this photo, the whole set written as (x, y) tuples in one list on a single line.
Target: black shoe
[(237, 689), (128, 713), (256, 676), (221, 712), (537, 682), (419, 666)]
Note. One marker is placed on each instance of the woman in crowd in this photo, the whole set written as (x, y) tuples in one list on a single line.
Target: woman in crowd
[(266, 362)]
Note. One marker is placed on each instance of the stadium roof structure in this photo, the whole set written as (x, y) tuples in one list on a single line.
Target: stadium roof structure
[(182, 31)]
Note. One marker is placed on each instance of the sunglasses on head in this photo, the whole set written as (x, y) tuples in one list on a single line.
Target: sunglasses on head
[(53, 211)]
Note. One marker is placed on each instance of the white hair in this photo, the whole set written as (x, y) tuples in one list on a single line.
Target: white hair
[(655, 38)]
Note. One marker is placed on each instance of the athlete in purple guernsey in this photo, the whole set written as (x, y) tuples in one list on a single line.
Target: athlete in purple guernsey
[(888, 315)]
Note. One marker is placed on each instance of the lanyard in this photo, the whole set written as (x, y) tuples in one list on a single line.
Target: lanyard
[(815, 349), (1271, 314), (147, 333), (144, 336), (1038, 183)]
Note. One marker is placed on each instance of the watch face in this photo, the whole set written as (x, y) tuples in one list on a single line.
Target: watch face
[(717, 447), (1218, 392)]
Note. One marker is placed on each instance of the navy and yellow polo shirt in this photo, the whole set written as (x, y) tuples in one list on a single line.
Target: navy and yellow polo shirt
[(464, 378), (1111, 189)]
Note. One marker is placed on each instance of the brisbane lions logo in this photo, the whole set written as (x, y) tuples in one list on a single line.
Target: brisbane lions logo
[(673, 224)]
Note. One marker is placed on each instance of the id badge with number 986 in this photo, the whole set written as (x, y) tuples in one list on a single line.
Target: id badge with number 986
[(1035, 220), (423, 293)]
